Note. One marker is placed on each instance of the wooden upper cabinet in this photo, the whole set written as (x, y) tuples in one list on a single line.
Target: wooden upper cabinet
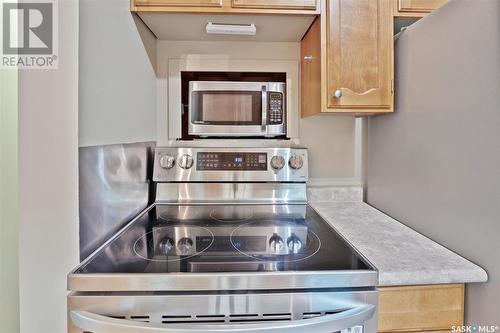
[(276, 4), (179, 3), (294, 7), (359, 54), (416, 8), (356, 59)]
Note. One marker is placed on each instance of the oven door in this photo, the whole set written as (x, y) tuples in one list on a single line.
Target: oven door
[(288, 312), (234, 109)]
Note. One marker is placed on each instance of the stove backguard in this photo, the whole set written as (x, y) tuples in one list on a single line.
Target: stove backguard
[(114, 182)]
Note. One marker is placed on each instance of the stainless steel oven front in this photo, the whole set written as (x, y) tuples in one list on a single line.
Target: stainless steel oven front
[(237, 109)]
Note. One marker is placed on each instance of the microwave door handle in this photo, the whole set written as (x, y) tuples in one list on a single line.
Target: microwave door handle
[(264, 109), (95, 323)]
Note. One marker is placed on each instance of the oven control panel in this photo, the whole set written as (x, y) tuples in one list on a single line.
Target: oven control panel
[(227, 161), (230, 165)]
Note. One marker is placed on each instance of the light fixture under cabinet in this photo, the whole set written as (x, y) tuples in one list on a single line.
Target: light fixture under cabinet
[(231, 29)]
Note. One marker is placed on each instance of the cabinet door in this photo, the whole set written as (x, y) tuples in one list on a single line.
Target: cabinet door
[(359, 55), (276, 4), (179, 3), (419, 6), (420, 308)]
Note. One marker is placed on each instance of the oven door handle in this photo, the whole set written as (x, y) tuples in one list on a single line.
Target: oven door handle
[(95, 323), (264, 109)]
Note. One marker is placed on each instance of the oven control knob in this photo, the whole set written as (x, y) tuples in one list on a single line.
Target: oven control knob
[(296, 162), (294, 244), (166, 244), (167, 161), (277, 162), (276, 244), (184, 245), (186, 161)]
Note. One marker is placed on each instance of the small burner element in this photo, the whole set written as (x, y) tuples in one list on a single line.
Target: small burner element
[(231, 214), (173, 243)]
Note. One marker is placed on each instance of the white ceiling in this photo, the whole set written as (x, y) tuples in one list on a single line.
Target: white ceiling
[(275, 28)]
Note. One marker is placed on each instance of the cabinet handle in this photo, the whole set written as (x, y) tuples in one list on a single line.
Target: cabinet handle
[(308, 58), (337, 93)]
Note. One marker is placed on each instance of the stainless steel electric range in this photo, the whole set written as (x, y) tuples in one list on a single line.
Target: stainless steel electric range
[(230, 245)]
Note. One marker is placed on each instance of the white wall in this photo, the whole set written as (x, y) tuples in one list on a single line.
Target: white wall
[(117, 80), (330, 138), (9, 203), (48, 171)]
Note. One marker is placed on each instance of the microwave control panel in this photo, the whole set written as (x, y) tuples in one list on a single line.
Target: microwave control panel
[(275, 108), (228, 161)]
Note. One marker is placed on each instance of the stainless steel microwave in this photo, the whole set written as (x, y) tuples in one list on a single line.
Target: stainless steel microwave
[(237, 109)]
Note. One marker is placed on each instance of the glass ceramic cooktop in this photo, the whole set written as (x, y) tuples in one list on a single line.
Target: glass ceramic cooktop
[(229, 238)]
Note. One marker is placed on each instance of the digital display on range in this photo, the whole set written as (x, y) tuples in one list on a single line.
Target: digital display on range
[(223, 243), (228, 161)]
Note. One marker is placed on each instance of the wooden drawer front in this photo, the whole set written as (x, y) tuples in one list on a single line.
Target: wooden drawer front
[(179, 3), (420, 308), (419, 6), (276, 4)]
